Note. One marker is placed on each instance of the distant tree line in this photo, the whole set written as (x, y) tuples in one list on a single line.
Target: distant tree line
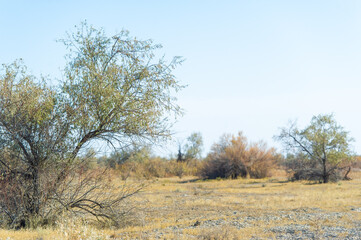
[(320, 152)]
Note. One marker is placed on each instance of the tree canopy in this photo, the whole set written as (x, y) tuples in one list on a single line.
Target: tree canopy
[(114, 90), (324, 145), (192, 149)]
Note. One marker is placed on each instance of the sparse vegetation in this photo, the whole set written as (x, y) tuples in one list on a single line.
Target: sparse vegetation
[(173, 208), (116, 94)]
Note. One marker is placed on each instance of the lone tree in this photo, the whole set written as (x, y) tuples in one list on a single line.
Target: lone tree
[(114, 90), (192, 149), (322, 148)]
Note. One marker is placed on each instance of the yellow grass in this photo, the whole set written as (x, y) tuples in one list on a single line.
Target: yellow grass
[(172, 206)]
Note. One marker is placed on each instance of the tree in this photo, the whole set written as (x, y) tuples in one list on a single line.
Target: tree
[(322, 148), (114, 90), (234, 157), (192, 149), (194, 145)]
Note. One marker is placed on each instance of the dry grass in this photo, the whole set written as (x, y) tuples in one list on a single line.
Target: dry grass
[(173, 208)]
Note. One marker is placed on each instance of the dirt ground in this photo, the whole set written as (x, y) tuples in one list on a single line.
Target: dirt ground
[(248, 209), (187, 208)]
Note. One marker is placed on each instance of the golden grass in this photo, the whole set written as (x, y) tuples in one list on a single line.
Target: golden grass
[(170, 207)]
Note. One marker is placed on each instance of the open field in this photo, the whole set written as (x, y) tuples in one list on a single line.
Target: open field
[(174, 208)]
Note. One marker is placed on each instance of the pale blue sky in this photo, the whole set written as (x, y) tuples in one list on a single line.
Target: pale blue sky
[(250, 65)]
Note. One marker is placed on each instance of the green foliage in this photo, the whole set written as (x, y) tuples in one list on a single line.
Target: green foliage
[(192, 149), (323, 148), (114, 90), (194, 145), (116, 87), (130, 154)]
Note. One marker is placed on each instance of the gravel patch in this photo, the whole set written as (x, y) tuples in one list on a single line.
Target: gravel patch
[(312, 228)]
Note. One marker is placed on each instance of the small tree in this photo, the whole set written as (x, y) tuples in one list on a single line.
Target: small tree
[(194, 145), (322, 148), (192, 149), (114, 90)]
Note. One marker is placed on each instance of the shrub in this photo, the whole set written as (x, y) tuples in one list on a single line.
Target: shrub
[(233, 157), (220, 233), (156, 167)]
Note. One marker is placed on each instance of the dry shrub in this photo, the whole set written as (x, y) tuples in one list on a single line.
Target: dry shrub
[(260, 160), (158, 168), (233, 157), (91, 194), (75, 228), (98, 197), (187, 168), (220, 233), (224, 160), (147, 169), (301, 167)]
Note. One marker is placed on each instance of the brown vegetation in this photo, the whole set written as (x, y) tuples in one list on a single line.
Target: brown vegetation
[(173, 208), (157, 168), (234, 157)]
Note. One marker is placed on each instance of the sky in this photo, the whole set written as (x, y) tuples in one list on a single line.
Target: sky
[(249, 66)]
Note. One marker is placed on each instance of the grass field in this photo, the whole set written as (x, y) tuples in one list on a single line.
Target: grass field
[(188, 208)]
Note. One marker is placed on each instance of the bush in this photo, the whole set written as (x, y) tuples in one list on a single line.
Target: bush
[(78, 195), (300, 167), (157, 167), (220, 233), (233, 157)]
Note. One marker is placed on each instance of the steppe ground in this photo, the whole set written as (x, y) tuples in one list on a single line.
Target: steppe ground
[(188, 208)]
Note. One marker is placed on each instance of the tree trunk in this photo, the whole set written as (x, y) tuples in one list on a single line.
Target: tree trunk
[(346, 177), (325, 178), (325, 175), (32, 197), (36, 194)]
